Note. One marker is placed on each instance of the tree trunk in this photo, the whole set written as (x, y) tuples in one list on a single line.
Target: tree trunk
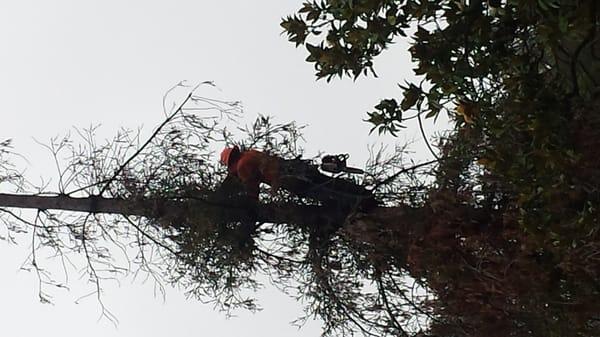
[(158, 208), (298, 215)]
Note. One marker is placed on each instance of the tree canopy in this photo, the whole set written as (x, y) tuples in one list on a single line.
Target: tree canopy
[(520, 79)]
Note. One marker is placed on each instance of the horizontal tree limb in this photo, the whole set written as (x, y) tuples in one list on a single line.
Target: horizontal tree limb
[(158, 208)]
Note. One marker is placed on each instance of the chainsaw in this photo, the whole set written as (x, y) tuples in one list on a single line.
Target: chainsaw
[(337, 164)]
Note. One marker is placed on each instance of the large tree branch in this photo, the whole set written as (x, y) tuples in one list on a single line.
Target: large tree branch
[(67, 203), (412, 222), (158, 208)]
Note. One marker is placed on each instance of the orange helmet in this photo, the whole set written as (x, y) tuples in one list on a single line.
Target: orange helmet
[(227, 153)]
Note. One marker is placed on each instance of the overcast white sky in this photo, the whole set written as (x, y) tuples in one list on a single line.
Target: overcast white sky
[(75, 63)]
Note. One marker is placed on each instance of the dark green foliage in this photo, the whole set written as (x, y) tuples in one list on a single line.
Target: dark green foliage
[(521, 81)]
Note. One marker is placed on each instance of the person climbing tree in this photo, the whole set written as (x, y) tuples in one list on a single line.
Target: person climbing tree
[(252, 168), (298, 176)]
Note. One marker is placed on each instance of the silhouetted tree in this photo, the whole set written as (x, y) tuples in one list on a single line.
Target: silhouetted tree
[(510, 244)]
